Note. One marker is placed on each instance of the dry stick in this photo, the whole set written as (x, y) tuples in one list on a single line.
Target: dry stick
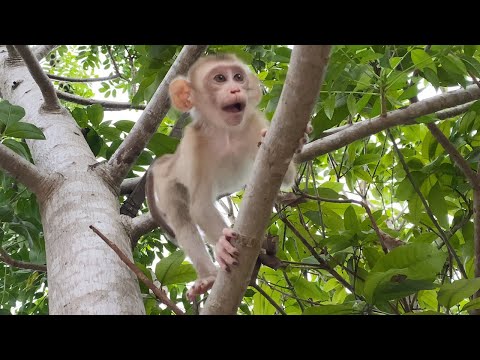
[(86, 80), (442, 234), (158, 293), (46, 87), (106, 104), (7, 259), (269, 298)]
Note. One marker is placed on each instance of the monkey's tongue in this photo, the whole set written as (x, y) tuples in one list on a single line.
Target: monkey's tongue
[(234, 108)]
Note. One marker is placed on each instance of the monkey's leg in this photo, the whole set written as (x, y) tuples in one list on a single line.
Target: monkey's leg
[(218, 233), (176, 207)]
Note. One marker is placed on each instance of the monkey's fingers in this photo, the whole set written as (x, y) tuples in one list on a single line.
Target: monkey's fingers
[(225, 253), (228, 232), (263, 132)]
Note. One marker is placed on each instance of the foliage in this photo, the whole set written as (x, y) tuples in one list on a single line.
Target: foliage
[(362, 82)]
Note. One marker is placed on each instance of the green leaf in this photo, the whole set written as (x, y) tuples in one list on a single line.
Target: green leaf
[(162, 144), (423, 261), (181, 274), (169, 264), (329, 106), (366, 159), (94, 141), (18, 147), (340, 309), (6, 214), (438, 205), (432, 77), (24, 130), (421, 59), (80, 116), (398, 287), (352, 109), (95, 114), (451, 294), (124, 125), (308, 290), (472, 305), (10, 114), (351, 221), (453, 65), (426, 119)]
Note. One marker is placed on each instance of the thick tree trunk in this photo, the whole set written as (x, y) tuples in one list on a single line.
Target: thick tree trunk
[(84, 275)]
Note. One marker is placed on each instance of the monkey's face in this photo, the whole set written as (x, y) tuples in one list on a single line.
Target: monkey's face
[(225, 98)]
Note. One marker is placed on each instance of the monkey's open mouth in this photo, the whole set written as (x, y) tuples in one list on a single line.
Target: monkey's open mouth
[(234, 108)]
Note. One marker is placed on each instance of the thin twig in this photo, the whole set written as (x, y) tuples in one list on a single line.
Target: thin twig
[(50, 99), (107, 105), (158, 293), (335, 274), (268, 297), (455, 155), (429, 212), (117, 71), (7, 259), (292, 289), (85, 80)]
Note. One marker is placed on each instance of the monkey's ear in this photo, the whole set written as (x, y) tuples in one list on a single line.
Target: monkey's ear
[(179, 91), (255, 93)]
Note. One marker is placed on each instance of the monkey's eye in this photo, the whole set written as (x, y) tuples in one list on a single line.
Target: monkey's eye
[(238, 77), (219, 78)]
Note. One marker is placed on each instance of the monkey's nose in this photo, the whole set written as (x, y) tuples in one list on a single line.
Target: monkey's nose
[(233, 91)]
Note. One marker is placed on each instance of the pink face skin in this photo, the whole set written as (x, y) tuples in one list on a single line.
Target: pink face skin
[(225, 97)]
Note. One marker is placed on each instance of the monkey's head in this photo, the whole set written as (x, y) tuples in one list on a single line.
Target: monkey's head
[(219, 89)]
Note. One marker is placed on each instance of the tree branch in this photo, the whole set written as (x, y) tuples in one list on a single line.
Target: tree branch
[(43, 50), (158, 293), (50, 99), (127, 153), (106, 104), (115, 66), (429, 212), (269, 298), (12, 53), (129, 184), (404, 116), (86, 80), (22, 170), (144, 223), (7, 259), (300, 92), (455, 155)]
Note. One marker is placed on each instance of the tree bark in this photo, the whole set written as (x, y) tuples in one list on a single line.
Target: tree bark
[(84, 275), (302, 85)]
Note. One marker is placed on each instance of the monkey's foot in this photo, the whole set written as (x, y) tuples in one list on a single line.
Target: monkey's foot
[(225, 253), (201, 286)]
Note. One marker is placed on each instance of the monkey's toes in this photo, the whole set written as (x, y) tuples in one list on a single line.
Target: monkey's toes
[(200, 286)]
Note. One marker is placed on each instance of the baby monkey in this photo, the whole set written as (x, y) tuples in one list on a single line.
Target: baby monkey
[(215, 157)]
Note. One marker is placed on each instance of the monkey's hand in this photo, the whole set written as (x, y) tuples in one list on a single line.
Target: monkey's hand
[(225, 253), (301, 142)]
